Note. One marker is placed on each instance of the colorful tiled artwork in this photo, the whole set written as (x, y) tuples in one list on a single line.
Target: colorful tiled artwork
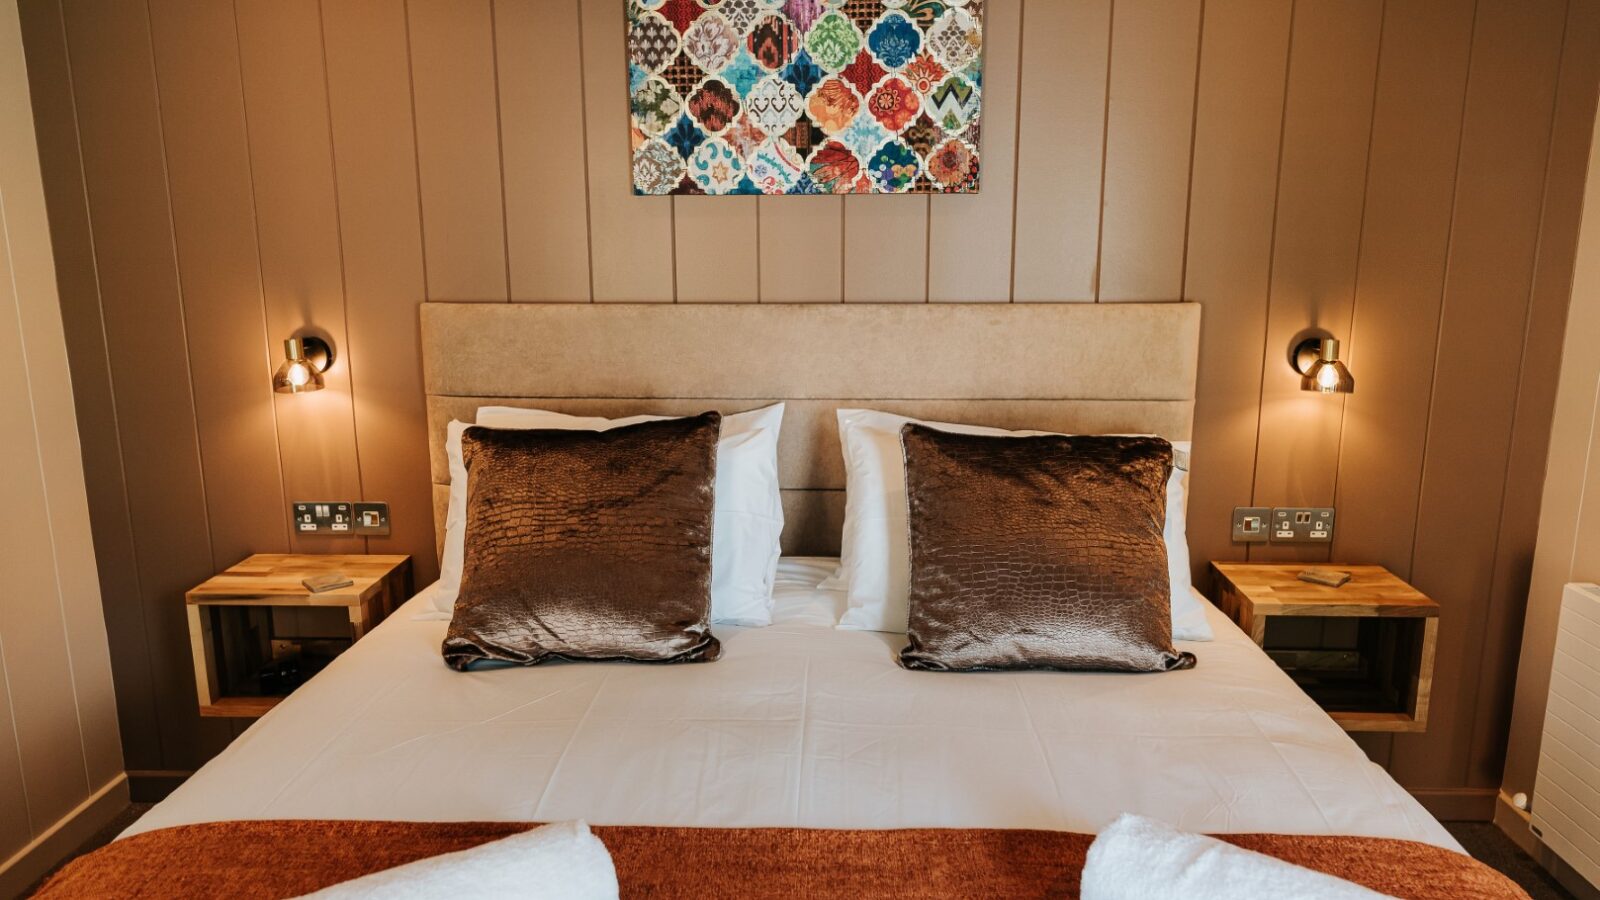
[(805, 96)]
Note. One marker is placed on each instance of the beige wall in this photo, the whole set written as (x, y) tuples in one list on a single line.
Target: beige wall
[(59, 753), (1402, 174), (1569, 522)]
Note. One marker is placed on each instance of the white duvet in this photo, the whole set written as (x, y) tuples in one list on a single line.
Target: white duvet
[(799, 724)]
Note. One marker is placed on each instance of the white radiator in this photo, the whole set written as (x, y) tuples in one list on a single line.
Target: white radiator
[(1566, 795)]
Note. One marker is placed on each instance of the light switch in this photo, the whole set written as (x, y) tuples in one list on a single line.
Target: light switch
[(371, 517), (1250, 524)]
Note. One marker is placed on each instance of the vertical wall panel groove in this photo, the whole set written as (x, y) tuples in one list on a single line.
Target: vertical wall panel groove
[(1543, 435), (1416, 126), (1530, 428), (49, 739), (39, 313), (1494, 237), (796, 235), (1240, 99), (78, 283), (1530, 435), (375, 162), (118, 117), (1194, 117), (1322, 180), (183, 316), (87, 386), (499, 140), (970, 235), (1065, 48), (885, 249), (1155, 46), (716, 247), (1422, 74), (208, 170), (14, 830), (297, 215), (583, 119), (634, 260), (541, 121), (458, 148), (58, 718)]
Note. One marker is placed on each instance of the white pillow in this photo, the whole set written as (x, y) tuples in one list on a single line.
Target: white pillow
[(748, 519), (875, 556)]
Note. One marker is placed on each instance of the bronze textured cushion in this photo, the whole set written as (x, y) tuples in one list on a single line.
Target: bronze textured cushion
[(587, 544), (1038, 552)]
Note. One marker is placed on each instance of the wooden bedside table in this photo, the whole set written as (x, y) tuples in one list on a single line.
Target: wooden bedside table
[(256, 632), (1379, 677)]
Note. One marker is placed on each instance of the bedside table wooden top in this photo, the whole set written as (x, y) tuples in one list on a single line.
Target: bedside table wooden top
[(1273, 590), (273, 579)]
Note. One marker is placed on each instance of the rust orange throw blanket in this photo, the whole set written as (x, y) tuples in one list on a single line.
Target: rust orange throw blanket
[(283, 859)]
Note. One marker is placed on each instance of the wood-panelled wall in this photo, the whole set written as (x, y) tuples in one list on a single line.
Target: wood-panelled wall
[(1569, 521), (1402, 174), (61, 776)]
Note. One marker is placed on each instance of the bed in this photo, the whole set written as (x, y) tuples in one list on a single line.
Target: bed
[(800, 724)]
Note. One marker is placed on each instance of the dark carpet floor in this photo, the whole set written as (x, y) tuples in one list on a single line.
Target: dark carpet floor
[(1491, 846), (1482, 840)]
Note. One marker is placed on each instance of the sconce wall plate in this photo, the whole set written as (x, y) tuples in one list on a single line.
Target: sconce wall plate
[(1304, 355), (318, 352)]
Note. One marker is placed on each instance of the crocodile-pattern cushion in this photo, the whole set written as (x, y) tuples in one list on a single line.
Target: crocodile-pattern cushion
[(587, 544), (1038, 552)]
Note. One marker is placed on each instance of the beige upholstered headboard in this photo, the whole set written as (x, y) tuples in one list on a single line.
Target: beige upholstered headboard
[(1071, 367)]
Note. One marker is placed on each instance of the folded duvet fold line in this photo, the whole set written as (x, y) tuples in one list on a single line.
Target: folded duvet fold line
[(1135, 857)]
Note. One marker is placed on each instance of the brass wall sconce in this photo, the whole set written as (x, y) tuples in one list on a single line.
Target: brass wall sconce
[(304, 361), (1317, 360)]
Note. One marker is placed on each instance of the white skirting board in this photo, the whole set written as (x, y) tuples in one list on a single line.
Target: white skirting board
[(71, 830)]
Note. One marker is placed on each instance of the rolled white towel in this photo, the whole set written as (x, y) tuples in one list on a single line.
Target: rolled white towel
[(564, 860), (1135, 858)]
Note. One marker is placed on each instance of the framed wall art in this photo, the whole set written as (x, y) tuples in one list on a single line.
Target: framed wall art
[(736, 97)]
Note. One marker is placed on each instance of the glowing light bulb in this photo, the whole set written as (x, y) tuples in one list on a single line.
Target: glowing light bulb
[(1328, 375), (296, 375), (1327, 379)]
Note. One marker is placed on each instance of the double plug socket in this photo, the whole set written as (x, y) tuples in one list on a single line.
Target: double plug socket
[(340, 517), (1283, 524)]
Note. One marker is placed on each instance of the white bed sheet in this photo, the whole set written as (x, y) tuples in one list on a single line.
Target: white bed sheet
[(799, 724)]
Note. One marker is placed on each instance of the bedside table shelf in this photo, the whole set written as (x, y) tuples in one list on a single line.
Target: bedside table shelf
[(239, 707), (1380, 675), (256, 624)]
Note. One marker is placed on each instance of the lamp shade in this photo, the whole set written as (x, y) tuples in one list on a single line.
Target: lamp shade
[(297, 374), (1328, 375)]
